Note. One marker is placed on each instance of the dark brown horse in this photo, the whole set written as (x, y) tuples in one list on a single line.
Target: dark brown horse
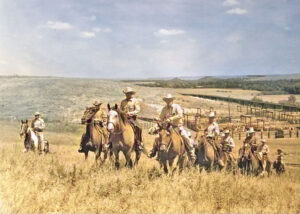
[(248, 161), (93, 139)]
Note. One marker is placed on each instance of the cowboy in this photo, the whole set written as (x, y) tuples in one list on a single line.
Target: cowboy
[(213, 127), (38, 126), (212, 132), (227, 144), (100, 121), (250, 140), (131, 107), (262, 153), (173, 114)]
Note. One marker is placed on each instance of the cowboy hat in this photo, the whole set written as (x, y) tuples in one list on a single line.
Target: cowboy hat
[(212, 114), (128, 90), (251, 130), (226, 131), (168, 97), (263, 140), (96, 103), (37, 113), (211, 135)]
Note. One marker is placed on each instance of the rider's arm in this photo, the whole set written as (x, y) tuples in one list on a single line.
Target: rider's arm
[(179, 113), (43, 125), (137, 109)]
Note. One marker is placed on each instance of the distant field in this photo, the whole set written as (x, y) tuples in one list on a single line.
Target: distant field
[(62, 182)]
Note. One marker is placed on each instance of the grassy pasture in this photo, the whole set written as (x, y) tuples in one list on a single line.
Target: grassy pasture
[(63, 182)]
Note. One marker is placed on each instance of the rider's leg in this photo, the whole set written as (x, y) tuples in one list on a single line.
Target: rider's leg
[(188, 144), (155, 148)]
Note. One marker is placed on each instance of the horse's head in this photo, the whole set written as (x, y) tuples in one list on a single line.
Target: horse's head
[(88, 114), (113, 118), (24, 127)]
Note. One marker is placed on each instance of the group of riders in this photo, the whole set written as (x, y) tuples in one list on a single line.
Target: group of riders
[(172, 115)]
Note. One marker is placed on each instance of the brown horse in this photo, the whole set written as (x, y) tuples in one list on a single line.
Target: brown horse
[(248, 161), (121, 136), (171, 146), (205, 159), (93, 134)]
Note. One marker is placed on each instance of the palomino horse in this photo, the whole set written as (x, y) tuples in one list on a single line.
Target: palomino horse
[(205, 159), (31, 141), (93, 134), (171, 146), (121, 136)]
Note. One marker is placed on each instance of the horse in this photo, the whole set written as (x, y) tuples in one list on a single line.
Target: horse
[(171, 146), (121, 136), (230, 163), (93, 134), (205, 159), (248, 161), (31, 141), (279, 167)]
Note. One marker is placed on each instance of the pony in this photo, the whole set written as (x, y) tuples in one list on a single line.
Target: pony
[(121, 136)]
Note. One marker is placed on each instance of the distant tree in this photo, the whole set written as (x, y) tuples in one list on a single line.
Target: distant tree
[(292, 99), (256, 99)]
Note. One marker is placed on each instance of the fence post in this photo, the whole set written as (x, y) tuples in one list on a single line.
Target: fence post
[(269, 134), (297, 133), (239, 135), (290, 134)]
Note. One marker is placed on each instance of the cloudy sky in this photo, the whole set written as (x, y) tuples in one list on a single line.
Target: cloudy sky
[(149, 38)]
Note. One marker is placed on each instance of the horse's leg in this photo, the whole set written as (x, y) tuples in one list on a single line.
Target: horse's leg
[(98, 153), (137, 157), (117, 161), (129, 162), (86, 154)]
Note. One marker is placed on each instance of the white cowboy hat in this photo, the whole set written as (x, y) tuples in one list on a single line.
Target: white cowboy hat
[(226, 131), (37, 113), (212, 114), (128, 90), (251, 130), (189, 134), (96, 103), (168, 97), (263, 140)]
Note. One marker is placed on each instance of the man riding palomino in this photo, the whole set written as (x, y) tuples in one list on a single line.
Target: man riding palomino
[(262, 153), (131, 107), (172, 114), (100, 121), (227, 144), (250, 141), (38, 126), (212, 132)]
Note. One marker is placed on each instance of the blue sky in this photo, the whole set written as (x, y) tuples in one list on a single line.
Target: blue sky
[(141, 39)]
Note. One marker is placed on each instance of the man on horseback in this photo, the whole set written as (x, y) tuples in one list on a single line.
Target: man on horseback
[(227, 144), (38, 126), (100, 121), (131, 107), (212, 132), (262, 153), (173, 114), (250, 141)]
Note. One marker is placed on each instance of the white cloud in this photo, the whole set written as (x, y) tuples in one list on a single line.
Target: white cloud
[(237, 11), (58, 25), (164, 41), (92, 18), (168, 32), (104, 30), (3, 62), (87, 34), (230, 2)]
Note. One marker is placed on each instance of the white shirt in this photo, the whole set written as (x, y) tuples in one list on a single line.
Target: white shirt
[(39, 123), (228, 141), (213, 129)]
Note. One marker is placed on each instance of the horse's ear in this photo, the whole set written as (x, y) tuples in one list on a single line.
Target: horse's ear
[(116, 106), (108, 107), (22, 121), (26, 121)]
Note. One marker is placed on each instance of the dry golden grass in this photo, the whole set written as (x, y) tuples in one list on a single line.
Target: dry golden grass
[(63, 182)]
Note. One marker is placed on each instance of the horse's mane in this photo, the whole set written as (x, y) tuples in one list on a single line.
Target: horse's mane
[(122, 115)]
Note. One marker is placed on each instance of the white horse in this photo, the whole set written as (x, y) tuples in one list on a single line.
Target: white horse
[(31, 141)]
